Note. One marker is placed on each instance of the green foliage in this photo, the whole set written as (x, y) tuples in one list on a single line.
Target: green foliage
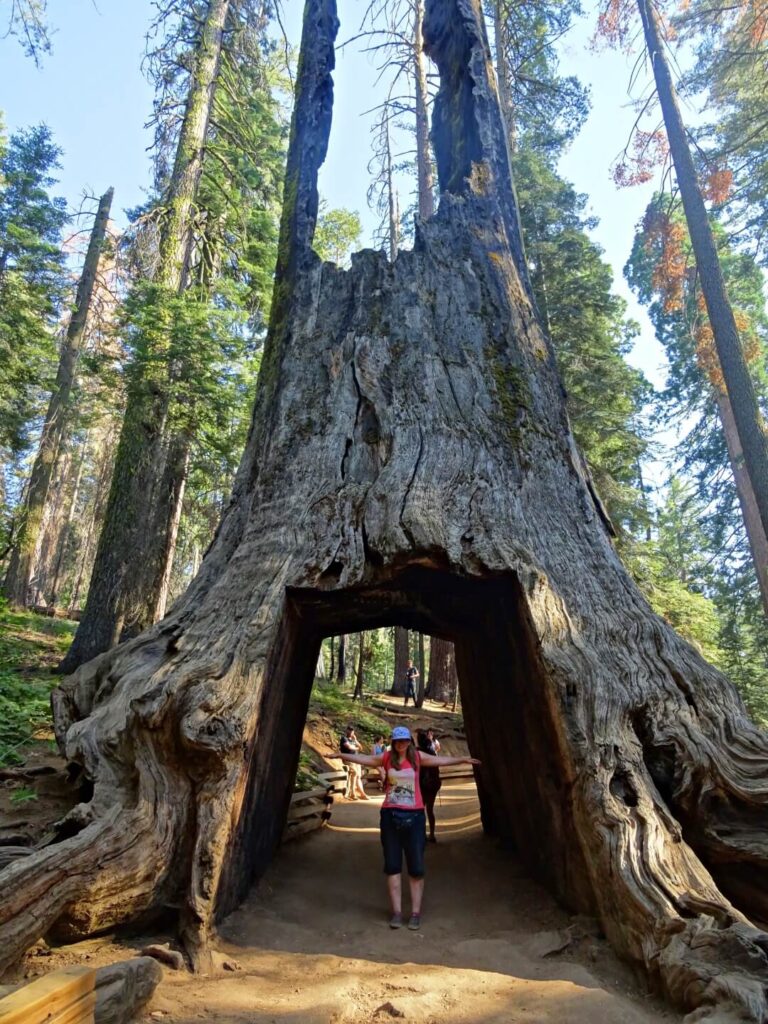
[(339, 707), (589, 330), (336, 234), (23, 795), (202, 348), (677, 574), (306, 773), (29, 647), (548, 108), (661, 269), (32, 279), (728, 75)]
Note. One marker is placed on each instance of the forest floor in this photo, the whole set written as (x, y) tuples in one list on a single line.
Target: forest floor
[(311, 944)]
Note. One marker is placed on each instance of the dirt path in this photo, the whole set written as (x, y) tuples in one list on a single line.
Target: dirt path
[(315, 948)]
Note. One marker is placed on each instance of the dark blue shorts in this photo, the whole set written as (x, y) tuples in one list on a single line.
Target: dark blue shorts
[(403, 832)]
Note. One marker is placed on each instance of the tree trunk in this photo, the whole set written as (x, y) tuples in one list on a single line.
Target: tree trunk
[(63, 543), (332, 668), (178, 477), (21, 563), (358, 693), (136, 545), (758, 543), (341, 673), (750, 425), (500, 40), (424, 173), (402, 654), (622, 766), (422, 673), (97, 510), (442, 671)]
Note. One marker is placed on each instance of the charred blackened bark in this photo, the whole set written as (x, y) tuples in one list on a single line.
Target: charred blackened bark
[(410, 463)]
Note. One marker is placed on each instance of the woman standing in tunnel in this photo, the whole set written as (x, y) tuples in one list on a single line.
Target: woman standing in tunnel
[(402, 823)]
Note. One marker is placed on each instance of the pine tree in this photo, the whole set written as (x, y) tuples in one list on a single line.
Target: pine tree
[(184, 320), (32, 279), (57, 419)]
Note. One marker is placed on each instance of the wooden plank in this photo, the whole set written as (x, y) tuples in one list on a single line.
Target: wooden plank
[(81, 1012), (297, 813), (302, 827), (332, 776), (309, 794), (45, 997)]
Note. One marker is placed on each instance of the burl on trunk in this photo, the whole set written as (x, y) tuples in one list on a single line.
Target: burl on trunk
[(410, 463)]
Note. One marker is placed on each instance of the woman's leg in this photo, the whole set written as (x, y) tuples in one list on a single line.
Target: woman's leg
[(417, 892), (393, 865), (413, 846), (395, 891)]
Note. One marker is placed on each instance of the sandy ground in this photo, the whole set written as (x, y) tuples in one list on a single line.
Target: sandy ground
[(314, 946)]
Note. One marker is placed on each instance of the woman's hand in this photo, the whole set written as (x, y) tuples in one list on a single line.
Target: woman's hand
[(472, 760)]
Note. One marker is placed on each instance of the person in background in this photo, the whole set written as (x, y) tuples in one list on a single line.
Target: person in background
[(429, 777), (380, 747), (402, 819), (411, 675), (349, 744)]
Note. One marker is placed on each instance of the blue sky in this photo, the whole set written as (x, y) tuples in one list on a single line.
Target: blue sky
[(92, 94)]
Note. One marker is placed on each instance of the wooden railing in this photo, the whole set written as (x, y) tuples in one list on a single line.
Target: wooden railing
[(311, 808), (67, 996)]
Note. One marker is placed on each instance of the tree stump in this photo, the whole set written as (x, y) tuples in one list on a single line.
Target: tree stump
[(410, 463)]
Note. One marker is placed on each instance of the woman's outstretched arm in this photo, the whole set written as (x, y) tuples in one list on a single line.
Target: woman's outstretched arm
[(438, 761), (372, 760)]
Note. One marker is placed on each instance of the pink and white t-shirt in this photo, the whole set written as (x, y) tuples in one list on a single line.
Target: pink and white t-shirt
[(403, 791)]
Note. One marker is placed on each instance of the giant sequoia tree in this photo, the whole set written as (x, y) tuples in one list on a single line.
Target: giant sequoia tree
[(410, 463)]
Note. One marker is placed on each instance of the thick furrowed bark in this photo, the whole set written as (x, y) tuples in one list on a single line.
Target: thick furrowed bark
[(410, 464)]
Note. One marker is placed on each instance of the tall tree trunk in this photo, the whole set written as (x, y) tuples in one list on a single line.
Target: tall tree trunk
[(341, 673), (21, 563), (424, 173), (422, 673), (63, 545), (136, 542), (500, 39), (332, 668), (176, 471), (738, 383), (758, 543), (442, 671), (97, 511), (50, 527), (402, 653), (622, 766), (358, 692)]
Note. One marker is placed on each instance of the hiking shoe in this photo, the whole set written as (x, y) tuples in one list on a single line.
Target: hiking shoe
[(396, 921), (415, 922)]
